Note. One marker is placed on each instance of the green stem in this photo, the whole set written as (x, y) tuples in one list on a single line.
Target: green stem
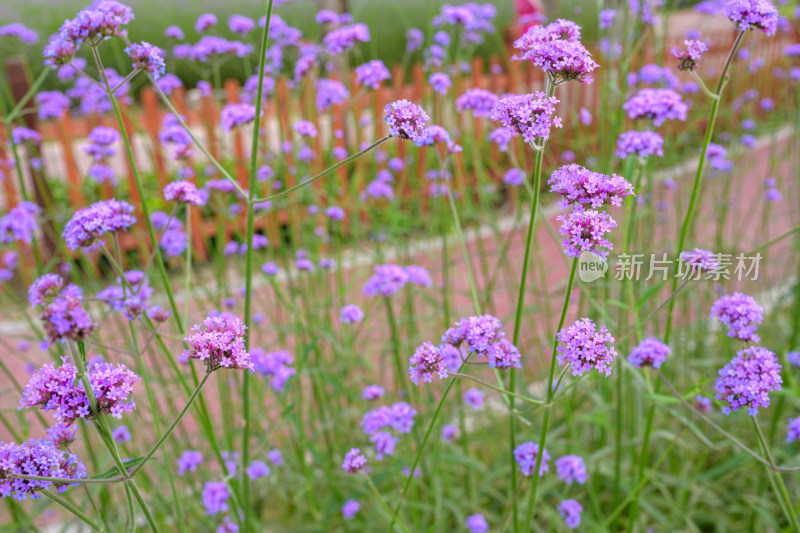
[(548, 405), (386, 508), (782, 493), (498, 389), (72, 509)]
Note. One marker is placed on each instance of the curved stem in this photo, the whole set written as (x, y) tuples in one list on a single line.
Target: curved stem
[(386, 508), (782, 493), (72, 509), (498, 389)]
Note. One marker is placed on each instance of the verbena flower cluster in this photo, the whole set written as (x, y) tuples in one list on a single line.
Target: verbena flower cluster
[(748, 379), (60, 310), (528, 115), (582, 188), (640, 143), (407, 121), (658, 105), (219, 343), (557, 50), (741, 314), (87, 225), (586, 347), (749, 14), (36, 457), (689, 58), (58, 390), (389, 279), (650, 352)]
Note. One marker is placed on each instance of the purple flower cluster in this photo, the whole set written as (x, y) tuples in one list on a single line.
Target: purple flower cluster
[(748, 14), (19, 223), (572, 468), (427, 361), (240, 24), (86, 226), (525, 455), (189, 461), (698, 261), (372, 74), (8, 263), (147, 58), (477, 524), (129, 297), (62, 435), (350, 508), (582, 188), (36, 457), (407, 121), (20, 31), (584, 231), (100, 149), (480, 101), (330, 93), (389, 279), (215, 497), (398, 416), (440, 82), (354, 461), (350, 314), (793, 430), (641, 143), (275, 365), (54, 389), (61, 310), (484, 336), (570, 511), (650, 352), (747, 380), (528, 115), (656, 104), (234, 115), (742, 315), (345, 38), (219, 342), (689, 58), (585, 348), (183, 192), (52, 104), (557, 50)]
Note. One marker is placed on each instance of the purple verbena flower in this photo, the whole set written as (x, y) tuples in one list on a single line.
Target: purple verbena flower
[(36, 457), (473, 398), (372, 393), (583, 188), (476, 523), (528, 115), (641, 143), (425, 362), (354, 461), (480, 101), (148, 58), (189, 461), (525, 455), (656, 104), (234, 115), (86, 226), (742, 315), (747, 379), (570, 511), (749, 14), (793, 430), (689, 58), (330, 93), (649, 352), (584, 231), (372, 74), (215, 497), (219, 342), (571, 468), (345, 38), (407, 121), (584, 348), (184, 192), (350, 314), (19, 223)]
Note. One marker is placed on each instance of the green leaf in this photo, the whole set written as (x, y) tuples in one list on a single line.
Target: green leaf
[(114, 471)]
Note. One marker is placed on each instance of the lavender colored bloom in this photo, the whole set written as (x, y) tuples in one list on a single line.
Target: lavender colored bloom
[(275, 365), (641, 143), (407, 121), (385, 444), (570, 511), (121, 434), (215, 497), (8, 263), (345, 38), (350, 508), (275, 457), (219, 342), (606, 18), (174, 32), (55, 389), (60, 51), (386, 280), (793, 430), (205, 22), (183, 192), (583, 188), (87, 225), (21, 32), (399, 416), (23, 135), (240, 24), (449, 433), (656, 104), (742, 315), (354, 461), (351, 313), (62, 435), (148, 58), (372, 74), (64, 318), (514, 177), (19, 223), (257, 469), (234, 115), (501, 137), (793, 358), (747, 379), (372, 393), (473, 398), (480, 101), (702, 404), (689, 58), (426, 361), (584, 348), (585, 231), (440, 82), (51, 104), (699, 261), (36, 457), (189, 461), (269, 268), (525, 455), (571, 468), (476, 523), (650, 352), (306, 128), (562, 59), (749, 14), (414, 39), (528, 115), (330, 93)]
